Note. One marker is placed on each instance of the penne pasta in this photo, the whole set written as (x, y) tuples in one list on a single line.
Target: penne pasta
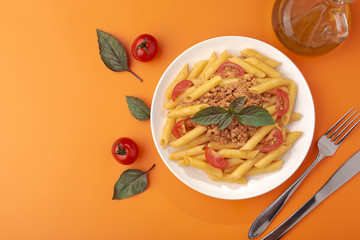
[(193, 162), (186, 111), (202, 89), (270, 84), (269, 71), (180, 77), (273, 166), (217, 145), (166, 133), (188, 137), (277, 153), (196, 70), (257, 137), (198, 141), (215, 65), (177, 155), (248, 67), (236, 151), (292, 95), (252, 53), (240, 171)]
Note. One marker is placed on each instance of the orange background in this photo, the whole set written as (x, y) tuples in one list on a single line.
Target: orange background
[(62, 109)]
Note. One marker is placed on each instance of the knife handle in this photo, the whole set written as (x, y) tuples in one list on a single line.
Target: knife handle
[(293, 219), (266, 217)]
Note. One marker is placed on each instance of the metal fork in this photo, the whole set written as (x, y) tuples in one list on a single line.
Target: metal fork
[(327, 146)]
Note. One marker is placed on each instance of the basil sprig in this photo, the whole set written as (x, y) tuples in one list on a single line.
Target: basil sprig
[(113, 53), (250, 115)]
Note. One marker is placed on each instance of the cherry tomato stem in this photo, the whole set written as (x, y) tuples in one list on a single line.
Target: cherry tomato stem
[(144, 48)]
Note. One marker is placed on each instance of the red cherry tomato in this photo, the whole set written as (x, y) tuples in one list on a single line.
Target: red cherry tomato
[(179, 129), (229, 69), (144, 48), (125, 151), (282, 102), (273, 140), (180, 88), (215, 159)]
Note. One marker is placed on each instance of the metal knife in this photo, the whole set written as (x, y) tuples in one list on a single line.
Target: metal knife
[(348, 170)]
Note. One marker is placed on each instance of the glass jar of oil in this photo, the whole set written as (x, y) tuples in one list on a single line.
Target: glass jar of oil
[(311, 27)]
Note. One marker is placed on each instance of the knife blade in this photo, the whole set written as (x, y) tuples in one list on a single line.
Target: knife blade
[(347, 171)]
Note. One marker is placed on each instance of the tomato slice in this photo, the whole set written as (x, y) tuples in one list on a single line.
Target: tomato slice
[(274, 138), (215, 159), (230, 69), (282, 102), (180, 88), (179, 129)]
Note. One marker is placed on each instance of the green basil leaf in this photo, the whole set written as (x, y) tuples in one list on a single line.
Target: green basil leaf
[(112, 53), (138, 108), (131, 182), (225, 121), (255, 116), (236, 105), (209, 115)]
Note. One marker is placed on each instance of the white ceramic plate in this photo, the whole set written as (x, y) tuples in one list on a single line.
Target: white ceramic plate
[(257, 185)]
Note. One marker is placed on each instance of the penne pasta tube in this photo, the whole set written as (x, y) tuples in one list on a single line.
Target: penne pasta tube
[(294, 117), (256, 138), (247, 67), (188, 137), (210, 61), (197, 82), (271, 109), (196, 70), (201, 157), (228, 81), (215, 65), (273, 91), (166, 133), (193, 162), (270, 84), (273, 166), (292, 96), (180, 77), (271, 156), (291, 137), (269, 71), (235, 153), (217, 145), (177, 155), (202, 89), (240, 171), (234, 161), (252, 53), (225, 179), (230, 169), (186, 111), (199, 140)]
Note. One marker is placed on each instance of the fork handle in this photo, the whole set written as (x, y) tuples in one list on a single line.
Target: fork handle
[(266, 217)]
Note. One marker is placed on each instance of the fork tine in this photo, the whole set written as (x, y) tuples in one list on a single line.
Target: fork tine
[(345, 128), (334, 126), (343, 138), (335, 132)]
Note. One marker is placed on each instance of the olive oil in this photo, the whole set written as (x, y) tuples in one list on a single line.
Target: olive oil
[(310, 27)]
